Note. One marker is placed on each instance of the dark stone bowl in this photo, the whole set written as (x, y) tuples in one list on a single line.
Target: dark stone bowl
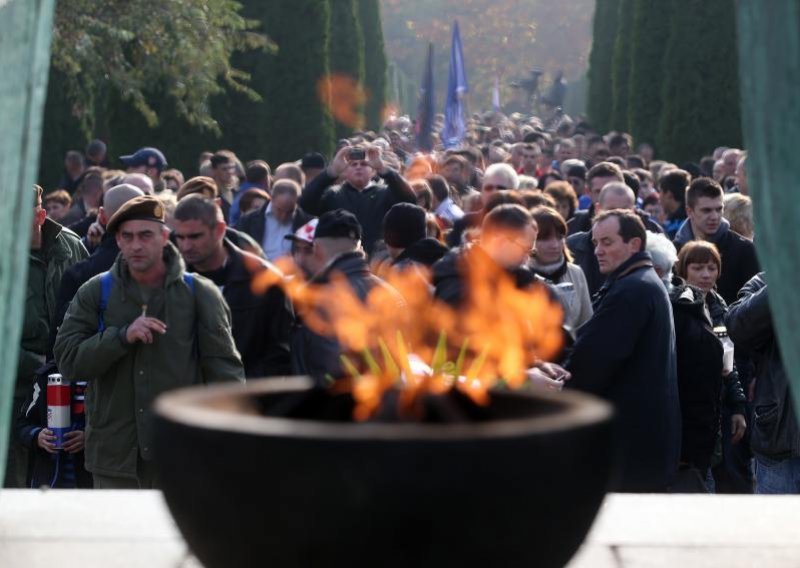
[(251, 490)]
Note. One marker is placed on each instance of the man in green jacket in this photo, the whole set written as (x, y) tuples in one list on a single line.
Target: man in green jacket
[(53, 250), (161, 329)]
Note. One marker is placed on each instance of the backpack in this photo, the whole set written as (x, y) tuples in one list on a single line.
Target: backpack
[(107, 283)]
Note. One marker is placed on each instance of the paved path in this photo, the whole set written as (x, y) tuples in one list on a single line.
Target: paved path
[(131, 529)]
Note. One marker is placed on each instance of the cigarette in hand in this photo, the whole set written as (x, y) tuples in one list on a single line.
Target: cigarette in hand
[(144, 310)]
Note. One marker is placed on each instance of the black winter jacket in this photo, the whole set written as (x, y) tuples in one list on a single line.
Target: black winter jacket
[(318, 356), (626, 354), (260, 323), (699, 366), (369, 205), (425, 252), (775, 433)]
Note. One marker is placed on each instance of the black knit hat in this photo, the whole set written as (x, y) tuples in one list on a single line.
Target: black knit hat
[(404, 225)]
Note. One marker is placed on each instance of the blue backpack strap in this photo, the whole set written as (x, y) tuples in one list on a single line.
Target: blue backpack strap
[(106, 283), (189, 279)]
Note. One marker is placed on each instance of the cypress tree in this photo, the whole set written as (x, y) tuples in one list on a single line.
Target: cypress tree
[(701, 84), (375, 76), (346, 51), (295, 119), (650, 33), (620, 66), (605, 30)]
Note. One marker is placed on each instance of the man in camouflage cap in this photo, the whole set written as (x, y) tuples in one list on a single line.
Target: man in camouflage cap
[(159, 329)]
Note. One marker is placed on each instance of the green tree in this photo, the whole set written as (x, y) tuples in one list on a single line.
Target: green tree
[(375, 66), (649, 36), (620, 66), (144, 72), (346, 54), (296, 119), (600, 59), (701, 83)]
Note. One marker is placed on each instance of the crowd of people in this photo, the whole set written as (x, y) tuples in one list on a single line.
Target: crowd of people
[(140, 282)]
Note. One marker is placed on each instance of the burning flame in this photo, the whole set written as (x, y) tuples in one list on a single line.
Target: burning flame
[(344, 97), (495, 335)]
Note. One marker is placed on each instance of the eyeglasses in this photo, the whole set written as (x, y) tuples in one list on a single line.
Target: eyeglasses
[(492, 187), (524, 247), (358, 163)]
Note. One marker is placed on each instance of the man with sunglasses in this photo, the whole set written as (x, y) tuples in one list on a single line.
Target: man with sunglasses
[(368, 189)]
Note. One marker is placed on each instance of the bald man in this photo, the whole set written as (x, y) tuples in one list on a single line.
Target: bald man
[(103, 255), (614, 195)]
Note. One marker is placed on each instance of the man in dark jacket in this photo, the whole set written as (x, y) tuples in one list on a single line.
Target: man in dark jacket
[(337, 248), (269, 225), (705, 222), (404, 231), (596, 179), (626, 354), (508, 236), (673, 186), (775, 436), (260, 323), (101, 259), (359, 193), (614, 195)]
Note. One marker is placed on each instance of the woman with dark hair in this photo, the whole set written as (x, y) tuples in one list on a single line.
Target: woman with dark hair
[(707, 376), (551, 260)]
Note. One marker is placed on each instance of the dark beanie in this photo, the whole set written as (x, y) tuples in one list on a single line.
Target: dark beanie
[(404, 225)]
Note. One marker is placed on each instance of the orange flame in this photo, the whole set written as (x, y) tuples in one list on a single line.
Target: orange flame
[(497, 333), (344, 97)]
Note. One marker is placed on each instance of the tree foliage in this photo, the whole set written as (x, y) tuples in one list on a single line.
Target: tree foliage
[(700, 109), (183, 47), (500, 37), (346, 53), (603, 42), (620, 66), (296, 121), (649, 36), (375, 67)]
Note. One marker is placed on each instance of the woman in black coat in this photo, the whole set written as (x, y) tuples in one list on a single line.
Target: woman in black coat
[(704, 386)]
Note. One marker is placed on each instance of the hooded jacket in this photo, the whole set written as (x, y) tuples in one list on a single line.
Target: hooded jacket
[(739, 262), (125, 378), (425, 252)]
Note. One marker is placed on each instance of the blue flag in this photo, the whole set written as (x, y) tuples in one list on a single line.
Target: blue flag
[(454, 127), (424, 128)]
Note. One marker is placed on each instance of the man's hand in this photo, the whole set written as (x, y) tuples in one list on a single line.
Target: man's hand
[(374, 159), (47, 441), (143, 328), (548, 375), (95, 234), (74, 441), (339, 163), (738, 427)]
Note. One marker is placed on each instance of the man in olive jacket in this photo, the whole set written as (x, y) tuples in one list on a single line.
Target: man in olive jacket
[(53, 249), (161, 329)]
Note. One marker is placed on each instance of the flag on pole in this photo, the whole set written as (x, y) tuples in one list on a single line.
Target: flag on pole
[(496, 94), (454, 127), (424, 128)]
